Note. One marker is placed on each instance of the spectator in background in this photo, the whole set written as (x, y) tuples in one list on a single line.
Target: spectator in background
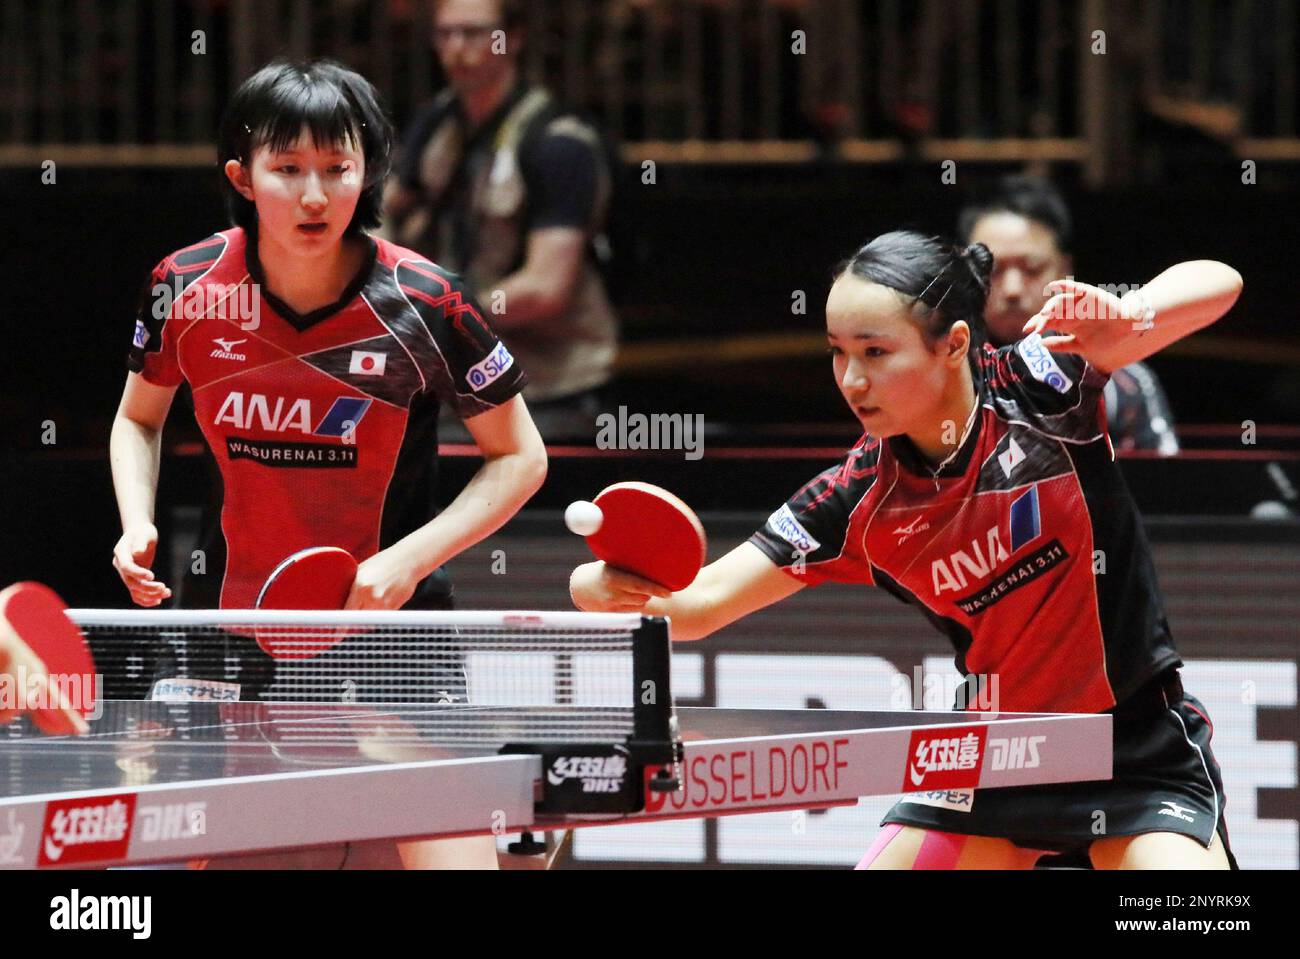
[(1027, 227), (498, 184)]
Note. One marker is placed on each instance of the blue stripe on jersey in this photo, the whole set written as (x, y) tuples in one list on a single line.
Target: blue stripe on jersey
[(1025, 523), (344, 414)]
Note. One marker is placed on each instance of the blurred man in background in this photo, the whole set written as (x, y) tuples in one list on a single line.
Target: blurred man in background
[(1027, 226), (496, 183)]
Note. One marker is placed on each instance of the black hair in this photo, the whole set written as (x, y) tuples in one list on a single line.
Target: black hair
[(1028, 196), (334, 103), (946, 283)]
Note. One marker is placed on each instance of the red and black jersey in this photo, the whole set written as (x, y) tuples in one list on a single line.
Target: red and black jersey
[(1025, 548), (323, 427)]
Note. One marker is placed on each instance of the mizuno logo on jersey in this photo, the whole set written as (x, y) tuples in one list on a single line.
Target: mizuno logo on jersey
[(1177, 811), (141, 335), (1042, 365), (904, 533), (281, 415), (789, 529), (226, 350), (489, 369)]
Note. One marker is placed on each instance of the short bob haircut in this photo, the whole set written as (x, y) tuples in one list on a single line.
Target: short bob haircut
[(335, 104)]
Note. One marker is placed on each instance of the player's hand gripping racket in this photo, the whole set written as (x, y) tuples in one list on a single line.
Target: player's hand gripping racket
[(317, 578), (37, 638), (644, 530)]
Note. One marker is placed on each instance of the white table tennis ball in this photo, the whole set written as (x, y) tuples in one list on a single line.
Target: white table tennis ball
[(583, 518)]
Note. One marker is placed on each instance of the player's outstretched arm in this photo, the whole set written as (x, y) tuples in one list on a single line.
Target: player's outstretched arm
[(134, 450), (514, 468), (1110, 332), (733, 586)]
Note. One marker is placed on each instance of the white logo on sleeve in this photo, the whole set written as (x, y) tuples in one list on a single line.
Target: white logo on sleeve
[(141, 335), (1042, 365), (367, 364), (1012, 458), (1175, 810), (789, 529), (489, 369)]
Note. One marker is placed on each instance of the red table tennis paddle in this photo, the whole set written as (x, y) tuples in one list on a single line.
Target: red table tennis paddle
[(36, 634), (648, 531), (316, 578)]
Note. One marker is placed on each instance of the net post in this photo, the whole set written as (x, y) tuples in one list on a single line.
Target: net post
[(654, 718)]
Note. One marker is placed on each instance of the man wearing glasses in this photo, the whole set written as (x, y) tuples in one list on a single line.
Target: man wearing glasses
[(497, 183)]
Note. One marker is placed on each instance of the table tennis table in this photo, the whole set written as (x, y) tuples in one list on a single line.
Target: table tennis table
[(165, 781)]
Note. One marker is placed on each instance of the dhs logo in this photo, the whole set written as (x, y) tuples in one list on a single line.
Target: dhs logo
[(1042, 365), (88, 830), (598, 774), (941, 759), (490, 368)]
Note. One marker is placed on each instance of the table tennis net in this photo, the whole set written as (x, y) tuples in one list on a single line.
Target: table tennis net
[(557, 675)]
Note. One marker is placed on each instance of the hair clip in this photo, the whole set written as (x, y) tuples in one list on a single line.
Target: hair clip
[(921, 295)]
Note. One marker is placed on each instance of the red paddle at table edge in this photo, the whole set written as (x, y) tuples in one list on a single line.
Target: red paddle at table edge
[(36, 634), (648, 531), (320, 577)]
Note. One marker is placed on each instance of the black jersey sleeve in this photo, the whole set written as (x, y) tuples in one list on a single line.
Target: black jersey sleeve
[(153, 343), (1137, 411), (808, 536), (1057, 394), (564, 170), (145, 355), (479, 372)]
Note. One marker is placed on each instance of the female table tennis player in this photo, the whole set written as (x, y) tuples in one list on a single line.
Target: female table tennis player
[(984, 491), (317, 357)]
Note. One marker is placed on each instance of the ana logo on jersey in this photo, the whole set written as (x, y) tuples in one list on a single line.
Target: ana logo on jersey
[(225, 350), (982, 558), (280, 415), (489, 369), (1042, 365)]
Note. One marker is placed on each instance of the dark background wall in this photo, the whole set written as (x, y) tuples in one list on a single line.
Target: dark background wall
[(705, 252)]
